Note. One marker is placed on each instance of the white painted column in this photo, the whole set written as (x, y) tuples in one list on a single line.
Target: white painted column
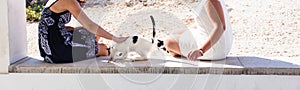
[(13, 46), (17, 30), (4, 42)]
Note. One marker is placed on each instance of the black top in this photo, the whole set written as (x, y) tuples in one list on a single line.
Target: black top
[(57, 45)]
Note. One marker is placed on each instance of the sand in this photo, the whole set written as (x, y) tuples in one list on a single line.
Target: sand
[(260, 28)]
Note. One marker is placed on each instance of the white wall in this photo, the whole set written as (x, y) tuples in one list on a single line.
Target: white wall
[(13, 39), (4, 45), (17, 30), (146, 82)]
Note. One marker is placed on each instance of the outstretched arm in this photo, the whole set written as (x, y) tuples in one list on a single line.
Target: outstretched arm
[(215, 13), (74, 7)]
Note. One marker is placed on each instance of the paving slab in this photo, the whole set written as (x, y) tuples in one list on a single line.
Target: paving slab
[(270, 66), (259, 62)]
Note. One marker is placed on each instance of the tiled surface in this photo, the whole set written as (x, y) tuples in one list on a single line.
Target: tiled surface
[(231, 65), (270, 66), (257, 62)]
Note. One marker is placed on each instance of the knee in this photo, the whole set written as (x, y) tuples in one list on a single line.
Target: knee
[(169, 42), (102, 50)]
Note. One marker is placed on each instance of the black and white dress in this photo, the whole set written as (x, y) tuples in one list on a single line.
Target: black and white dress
[(57, 45)]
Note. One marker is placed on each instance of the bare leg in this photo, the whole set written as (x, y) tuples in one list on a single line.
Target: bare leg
[(174, 54), (172, 46), (101, 48)]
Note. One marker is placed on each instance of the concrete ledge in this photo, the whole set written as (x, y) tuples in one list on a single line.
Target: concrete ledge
[(231, 65)]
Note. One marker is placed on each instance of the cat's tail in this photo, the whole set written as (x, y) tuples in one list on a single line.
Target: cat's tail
[(160, 43), (154, 32)]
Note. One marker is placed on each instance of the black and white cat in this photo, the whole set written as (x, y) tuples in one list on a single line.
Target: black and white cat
[(137, 44)]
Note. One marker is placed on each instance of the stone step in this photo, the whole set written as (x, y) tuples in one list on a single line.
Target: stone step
[(232, 65)]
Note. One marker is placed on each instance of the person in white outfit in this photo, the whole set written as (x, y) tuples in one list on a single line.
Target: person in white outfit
[(209, 39)]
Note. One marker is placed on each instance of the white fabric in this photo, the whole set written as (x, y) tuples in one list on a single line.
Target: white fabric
[(194, 39)]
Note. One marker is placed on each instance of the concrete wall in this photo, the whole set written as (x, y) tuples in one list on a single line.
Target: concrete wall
[(17, 30), (4, 45), (147, 82), (13, 39)]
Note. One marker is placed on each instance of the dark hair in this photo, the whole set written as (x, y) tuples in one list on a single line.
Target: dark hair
[(81, 1)]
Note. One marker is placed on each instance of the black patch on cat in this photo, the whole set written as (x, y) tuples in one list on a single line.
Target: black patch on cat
[(152, 41), (135, 39), (164, 48), (160, 43), (120, 54), (108, 50)]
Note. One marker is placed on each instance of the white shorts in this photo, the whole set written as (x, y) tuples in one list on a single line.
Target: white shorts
[(195, 38)]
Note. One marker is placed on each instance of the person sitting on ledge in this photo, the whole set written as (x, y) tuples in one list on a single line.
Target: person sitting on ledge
[(62, 44), (209, 39)]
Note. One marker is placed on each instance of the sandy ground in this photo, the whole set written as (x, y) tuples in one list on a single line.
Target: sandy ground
[(267, 28)]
